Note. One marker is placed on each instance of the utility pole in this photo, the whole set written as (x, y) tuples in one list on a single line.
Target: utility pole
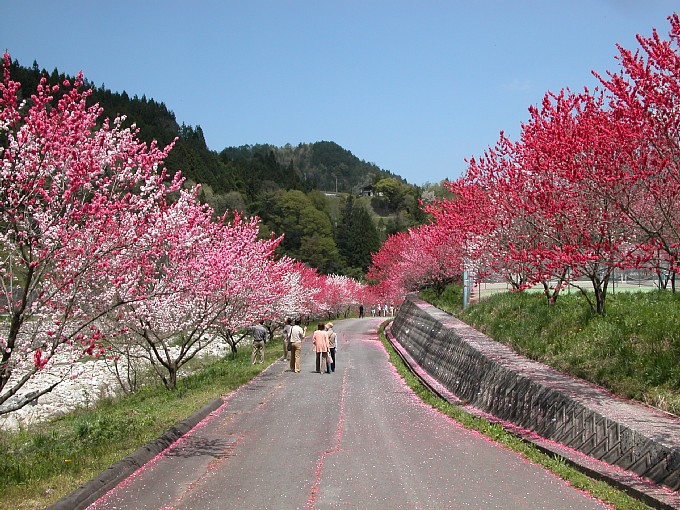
[(466, 289)]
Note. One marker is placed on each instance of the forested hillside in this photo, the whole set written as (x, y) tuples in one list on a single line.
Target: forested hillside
[(322, 165), (309, 192)]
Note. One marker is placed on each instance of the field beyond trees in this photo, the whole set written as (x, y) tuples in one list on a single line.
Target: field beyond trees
[(633, 350)]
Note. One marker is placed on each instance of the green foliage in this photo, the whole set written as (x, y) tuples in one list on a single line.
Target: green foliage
[(321, 253), (450, 299), (393, 190), (305, 221), (327, 161), (633, 350), (258, 168), (356, 236)]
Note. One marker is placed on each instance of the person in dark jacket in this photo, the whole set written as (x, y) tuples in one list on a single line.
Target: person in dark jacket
[(259, 339)]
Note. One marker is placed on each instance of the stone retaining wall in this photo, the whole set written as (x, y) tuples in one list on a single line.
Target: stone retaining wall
[(585, 417)]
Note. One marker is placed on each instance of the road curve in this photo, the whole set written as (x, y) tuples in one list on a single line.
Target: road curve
[(355, 439)]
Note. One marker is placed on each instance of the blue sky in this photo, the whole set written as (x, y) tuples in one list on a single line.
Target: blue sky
[(415, 87)]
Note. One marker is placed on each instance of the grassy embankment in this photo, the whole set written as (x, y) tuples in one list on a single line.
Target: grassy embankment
[(42, 464), (600, 490), (633, 350)]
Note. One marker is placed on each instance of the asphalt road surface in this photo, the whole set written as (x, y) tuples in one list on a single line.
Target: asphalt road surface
[(354, 439)]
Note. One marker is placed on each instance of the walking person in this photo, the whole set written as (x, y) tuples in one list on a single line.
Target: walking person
[(259, 339), (296, 336), (361, 311), (372, 310), (285, 337), (320, 345), (332, 346)]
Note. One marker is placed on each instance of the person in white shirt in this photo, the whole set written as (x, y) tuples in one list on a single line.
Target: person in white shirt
[(285, 336), (332, 345), (297, 333)]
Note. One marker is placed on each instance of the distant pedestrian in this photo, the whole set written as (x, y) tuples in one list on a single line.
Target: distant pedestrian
[(332, 346), (379, 310), (392, 310), (259, 339), (285, 337), (296, 336), (361, 311), (372, 310), (320, 344)]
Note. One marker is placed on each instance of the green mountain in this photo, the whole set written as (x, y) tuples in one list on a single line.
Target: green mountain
[(244, 169), (334, 232), (321, 165)]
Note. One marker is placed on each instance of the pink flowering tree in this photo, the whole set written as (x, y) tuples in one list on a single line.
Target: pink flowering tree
[(537, 210), (254, 288), (197, 277), (301, 291), (485, 213), (591, 186), (73, 191), (313, 284), (569, 149), (383, 272), (339, 294), (387, 291), (434, 258)]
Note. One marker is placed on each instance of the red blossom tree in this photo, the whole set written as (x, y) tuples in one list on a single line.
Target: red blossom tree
[(74, 192), (409, 261), (493, 191), (338, 294), (568, 149), (592, 185), (645, 98)]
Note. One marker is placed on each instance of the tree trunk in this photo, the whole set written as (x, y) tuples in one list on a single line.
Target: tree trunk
[(600, 288), (171, 380)]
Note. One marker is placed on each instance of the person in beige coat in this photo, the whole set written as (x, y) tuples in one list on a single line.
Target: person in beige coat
[(320, 344)]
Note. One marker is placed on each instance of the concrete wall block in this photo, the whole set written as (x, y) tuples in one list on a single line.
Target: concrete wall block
[(588, 435), (491, 377), (667, 472)]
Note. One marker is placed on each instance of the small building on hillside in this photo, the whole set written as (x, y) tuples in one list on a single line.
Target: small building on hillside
[(366, 191)]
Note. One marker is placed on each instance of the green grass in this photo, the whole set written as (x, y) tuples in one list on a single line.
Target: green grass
[(632, 350), (40, 465), (600, 490)]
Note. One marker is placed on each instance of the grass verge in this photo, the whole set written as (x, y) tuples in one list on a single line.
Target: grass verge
[(40, 465), (600, 490), (633, 350)]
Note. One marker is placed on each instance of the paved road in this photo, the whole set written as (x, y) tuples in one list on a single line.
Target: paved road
[(355, 439)]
